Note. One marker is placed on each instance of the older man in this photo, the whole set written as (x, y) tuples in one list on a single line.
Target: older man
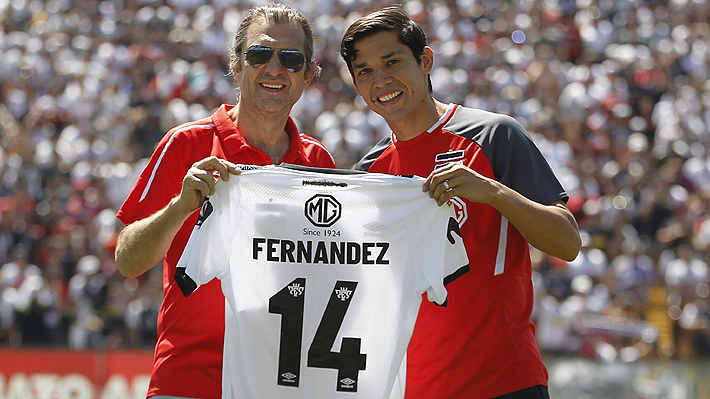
[(272, 64)]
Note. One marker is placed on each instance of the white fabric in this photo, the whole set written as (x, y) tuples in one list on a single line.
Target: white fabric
[(261, 214)]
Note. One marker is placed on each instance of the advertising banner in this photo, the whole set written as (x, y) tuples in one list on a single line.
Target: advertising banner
[(68, 374)]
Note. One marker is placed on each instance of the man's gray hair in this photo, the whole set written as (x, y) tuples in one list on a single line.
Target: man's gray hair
[(272, 13)]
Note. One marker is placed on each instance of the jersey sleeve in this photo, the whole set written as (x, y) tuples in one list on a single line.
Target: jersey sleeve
[(160, 181), (204, 256), (515, 159), (441, 253), (519, 164), (316, 153)]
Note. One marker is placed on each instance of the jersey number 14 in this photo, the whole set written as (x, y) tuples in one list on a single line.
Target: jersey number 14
[(289, 303)]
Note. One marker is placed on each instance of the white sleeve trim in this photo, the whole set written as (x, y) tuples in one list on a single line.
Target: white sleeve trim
[(160, 158), (307, 140), (502, 244)]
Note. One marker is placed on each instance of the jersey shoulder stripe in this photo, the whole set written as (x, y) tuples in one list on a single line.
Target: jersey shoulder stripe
[(165, 149), (309, 140), (477, 125)]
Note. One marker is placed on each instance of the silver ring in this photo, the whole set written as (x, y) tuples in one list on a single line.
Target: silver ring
[(446, 185)]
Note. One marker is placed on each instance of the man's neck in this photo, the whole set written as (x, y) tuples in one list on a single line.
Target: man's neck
[(263, 130), (418, 123)]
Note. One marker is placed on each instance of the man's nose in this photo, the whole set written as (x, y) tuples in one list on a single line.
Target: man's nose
[(274, 66), (382, 77)]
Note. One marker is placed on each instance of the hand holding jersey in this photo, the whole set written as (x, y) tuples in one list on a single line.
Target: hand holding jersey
[(160, 210), (200, 181), (507, 197), (546, 227), (468, 183), (323, 275)]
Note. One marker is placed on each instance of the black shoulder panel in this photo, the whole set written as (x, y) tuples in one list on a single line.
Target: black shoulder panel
[(515, 159), (369, 158)]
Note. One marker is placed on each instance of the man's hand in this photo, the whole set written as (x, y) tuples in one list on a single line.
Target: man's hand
[(200, 181), (550, 228), (458, 180), (143, 243)]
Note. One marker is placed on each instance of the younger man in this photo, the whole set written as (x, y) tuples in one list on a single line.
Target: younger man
[(483, 344)]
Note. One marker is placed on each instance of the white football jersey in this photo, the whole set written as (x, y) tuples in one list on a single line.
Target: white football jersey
[(323, 274)]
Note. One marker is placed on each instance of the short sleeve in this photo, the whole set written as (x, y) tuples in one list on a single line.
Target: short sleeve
[(160, 181), (439, 251), (204, 255), (519, 164)]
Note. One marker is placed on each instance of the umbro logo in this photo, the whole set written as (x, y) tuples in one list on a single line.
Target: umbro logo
[(459, 205), (460, 210), (347, 383), (289, 377)]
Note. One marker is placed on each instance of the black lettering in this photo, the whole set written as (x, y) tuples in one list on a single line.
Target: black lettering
[(366, 246), (256, 248), (334, 252), (287, 248), (381, 258), (337, 250), (271, 248), (321, 253), (304, 251), (353, 252)]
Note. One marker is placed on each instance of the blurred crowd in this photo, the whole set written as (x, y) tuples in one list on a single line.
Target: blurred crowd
[(614, 92)]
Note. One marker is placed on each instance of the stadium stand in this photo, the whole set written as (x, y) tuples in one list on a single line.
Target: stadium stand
[(615, 93)]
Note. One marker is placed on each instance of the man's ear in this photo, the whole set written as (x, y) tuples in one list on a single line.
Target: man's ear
[(236, 68), (235, 72), (427, 59), (310, 72)]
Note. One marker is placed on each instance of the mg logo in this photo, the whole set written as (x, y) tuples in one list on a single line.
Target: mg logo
[(323, 210)]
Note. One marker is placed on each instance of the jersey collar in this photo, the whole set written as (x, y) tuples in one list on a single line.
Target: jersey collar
[(444, 118), (232, 139), (235, 142), (449, 111), (295, 150)]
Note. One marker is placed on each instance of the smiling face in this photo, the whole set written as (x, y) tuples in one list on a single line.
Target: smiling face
[(391, 81), (270, 87)]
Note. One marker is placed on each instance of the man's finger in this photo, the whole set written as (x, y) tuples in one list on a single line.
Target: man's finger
[(231, 169)]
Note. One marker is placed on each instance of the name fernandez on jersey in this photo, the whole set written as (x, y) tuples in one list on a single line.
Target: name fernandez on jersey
[(323, 280), (333, 253)]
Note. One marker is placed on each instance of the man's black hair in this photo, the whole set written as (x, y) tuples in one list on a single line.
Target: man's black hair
[(388, 19)]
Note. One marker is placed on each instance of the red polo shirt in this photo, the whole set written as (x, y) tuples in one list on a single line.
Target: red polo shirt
[(188, 353)]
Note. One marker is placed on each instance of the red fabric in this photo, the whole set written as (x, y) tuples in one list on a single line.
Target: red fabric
[(482, 344), (188, 353)]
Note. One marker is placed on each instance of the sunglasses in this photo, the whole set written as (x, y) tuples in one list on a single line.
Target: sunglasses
[(292, 60)]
